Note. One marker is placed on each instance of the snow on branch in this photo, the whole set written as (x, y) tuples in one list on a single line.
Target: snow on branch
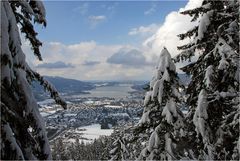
[(47, 86), (201, 115), (13, 143)]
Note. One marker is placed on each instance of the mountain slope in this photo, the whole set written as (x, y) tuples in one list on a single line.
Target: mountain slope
[(63, 85)]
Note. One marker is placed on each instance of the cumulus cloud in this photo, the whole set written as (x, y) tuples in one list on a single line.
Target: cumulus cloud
[(95, 20), (174, 24), (144, 30), (128, 57), (76, 53), (89, 60), (91, 63), (151, 10), (58, 64)]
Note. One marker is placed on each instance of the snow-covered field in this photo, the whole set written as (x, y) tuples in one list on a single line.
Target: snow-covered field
[(45, 102), (94, 131), (88, 133)]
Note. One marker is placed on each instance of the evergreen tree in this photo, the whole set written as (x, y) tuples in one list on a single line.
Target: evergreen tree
[(23, 134), (125, 145), (162, 119), (119, 149), (213, 94), (59, 150), (99, 149)]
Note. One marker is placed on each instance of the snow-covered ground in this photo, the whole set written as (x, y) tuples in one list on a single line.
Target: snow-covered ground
[(44, 114), (94, 131), (87, 134), (45, 102), (112, 106)]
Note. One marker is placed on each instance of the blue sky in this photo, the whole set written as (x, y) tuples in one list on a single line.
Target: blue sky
[(69, 21), (108, 40)]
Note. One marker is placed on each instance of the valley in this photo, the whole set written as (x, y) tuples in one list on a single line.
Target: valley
[(107, 106)]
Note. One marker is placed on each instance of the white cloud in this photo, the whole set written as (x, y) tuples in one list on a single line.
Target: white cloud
[(117, 72), (89, 60), (95, 20), (174, 24), (58, 64), (144, 30), (151, 10), (129, 58)]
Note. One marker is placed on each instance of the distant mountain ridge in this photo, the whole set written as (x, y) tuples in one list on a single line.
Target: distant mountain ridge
[(63, 85), (66, 86)]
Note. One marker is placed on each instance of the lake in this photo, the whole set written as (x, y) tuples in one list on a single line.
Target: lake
[(117, 91)]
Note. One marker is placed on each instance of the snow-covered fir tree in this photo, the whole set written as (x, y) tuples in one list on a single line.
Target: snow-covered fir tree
[(99, 149), (213, 94), (23, 134), (162, 120), (126, 145), (60, 150), (119, 150)]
